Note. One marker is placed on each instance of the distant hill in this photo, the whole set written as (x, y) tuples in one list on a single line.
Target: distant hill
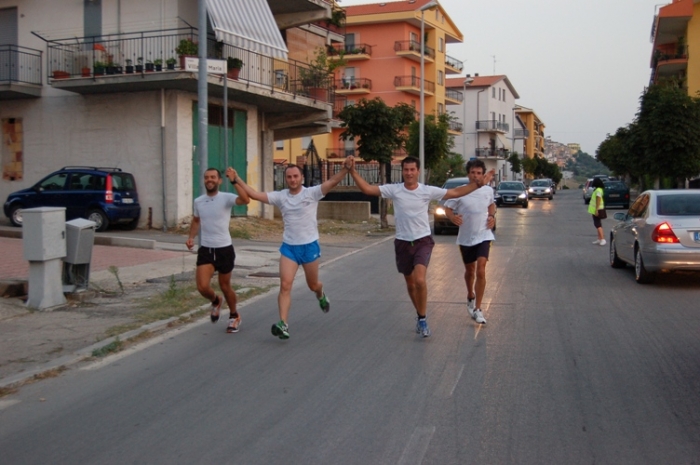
[(585, 166)]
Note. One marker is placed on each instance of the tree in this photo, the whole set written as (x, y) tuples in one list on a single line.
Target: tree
[(515, 162), (380, 130), (618, 152), (438, 142), (452, 166)]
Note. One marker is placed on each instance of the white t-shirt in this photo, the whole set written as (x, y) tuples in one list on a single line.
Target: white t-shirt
[(298, 213), (214, 213), (474, 209), (411, 208)]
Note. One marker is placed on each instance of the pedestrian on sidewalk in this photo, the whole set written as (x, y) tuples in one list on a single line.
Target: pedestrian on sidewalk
[(475, 214), (596, 207), (212, 217), (414, 242), (300, 247)]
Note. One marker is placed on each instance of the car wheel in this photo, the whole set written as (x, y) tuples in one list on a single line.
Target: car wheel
[(550, 197), (100, 219), (525, 205), (585, 202), (131, 225), (615, 261), (438, 230), (640, 273), (16, 215)]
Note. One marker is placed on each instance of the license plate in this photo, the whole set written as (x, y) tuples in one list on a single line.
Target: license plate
[(614, 195), (697, 236), (127, 200)]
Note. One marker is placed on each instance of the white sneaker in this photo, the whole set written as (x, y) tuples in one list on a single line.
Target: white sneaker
[(471, 305), (597, 241), (479, 317), (602, 242)]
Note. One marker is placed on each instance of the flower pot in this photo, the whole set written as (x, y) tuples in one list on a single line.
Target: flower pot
[(149, 67), (139, 68), (85, 72), (182, 60), (159, 67), (171, 66), (99, 70), (129, 69), (233, 73), (318, 93), (60, 75)]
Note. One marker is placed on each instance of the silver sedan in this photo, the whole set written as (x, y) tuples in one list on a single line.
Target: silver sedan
[(660, 232)]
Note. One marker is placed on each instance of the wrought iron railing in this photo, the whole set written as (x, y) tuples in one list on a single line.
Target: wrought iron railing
[(521, 134), (492, 125), (349, 49), (339, 102), (352, 83), (455, 126), (491, 153), (20, 64), (322, 171), (412, 46), (413, 81), (454, 95), (454, 63)]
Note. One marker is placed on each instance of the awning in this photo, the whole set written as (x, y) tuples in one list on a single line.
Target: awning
[(505, 143), (247, 24)]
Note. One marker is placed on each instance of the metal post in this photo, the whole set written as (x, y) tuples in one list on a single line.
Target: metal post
[(421, 126), (202, 95), (226, 124)]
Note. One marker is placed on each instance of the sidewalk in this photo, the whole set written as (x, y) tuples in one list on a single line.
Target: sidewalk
[(146, 262)]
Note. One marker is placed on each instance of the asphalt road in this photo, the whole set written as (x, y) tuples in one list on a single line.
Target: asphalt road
[(577, 364)]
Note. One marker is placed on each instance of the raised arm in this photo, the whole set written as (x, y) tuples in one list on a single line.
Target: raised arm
[(468, 188), (243, 197), (364, 186), (333, 181), (249, 191)]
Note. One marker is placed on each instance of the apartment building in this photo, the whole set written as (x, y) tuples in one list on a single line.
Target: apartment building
[(382, 51), (534, 127), (105, 83)]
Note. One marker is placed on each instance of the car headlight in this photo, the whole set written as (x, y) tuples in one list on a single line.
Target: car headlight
[(522, 196), (497, 196), (531, 190), (440, 211), (548, 190)]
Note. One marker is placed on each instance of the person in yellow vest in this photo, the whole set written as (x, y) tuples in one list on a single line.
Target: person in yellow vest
[(596, 207)]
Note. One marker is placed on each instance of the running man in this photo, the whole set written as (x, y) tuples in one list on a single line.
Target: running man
[(414, 242), (475, 215), (212, 215), (300, 247)]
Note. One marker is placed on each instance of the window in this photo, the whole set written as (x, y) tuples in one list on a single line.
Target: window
[(55, 182), (413, 71), (11, 149), (92, 18), (441, 108), (493, 92), (305, 141), (413, 103), (349, 41), (440, 78), (441, 44), (279, 145)]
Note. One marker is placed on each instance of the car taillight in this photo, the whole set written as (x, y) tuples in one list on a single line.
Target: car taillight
[(664, 234), (109, 196)]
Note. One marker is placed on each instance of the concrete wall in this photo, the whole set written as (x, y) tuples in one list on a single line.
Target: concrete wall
[(344, 211)]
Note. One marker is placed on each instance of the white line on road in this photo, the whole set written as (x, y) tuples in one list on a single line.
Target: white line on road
[(8, 403), (417, 446)]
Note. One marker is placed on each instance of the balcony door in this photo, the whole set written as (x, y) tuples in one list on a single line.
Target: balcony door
[(8, 41)]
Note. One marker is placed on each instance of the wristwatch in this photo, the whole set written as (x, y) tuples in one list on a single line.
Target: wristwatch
[(233, 182)]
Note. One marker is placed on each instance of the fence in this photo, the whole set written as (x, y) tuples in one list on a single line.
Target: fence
[(315, 174), (20, 64)]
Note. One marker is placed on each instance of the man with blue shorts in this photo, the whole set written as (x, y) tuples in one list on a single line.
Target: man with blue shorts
[(299, 206)]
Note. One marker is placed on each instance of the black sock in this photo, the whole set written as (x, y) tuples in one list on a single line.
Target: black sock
[(421, 317), (233, 314), (215, 302)]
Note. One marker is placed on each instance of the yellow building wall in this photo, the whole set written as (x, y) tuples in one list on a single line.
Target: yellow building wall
[(693, 41)]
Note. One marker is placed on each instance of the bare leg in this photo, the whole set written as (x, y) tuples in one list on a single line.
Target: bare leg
[(469, 278), (601, 234), (203, 278), (229, 293), (480, 279), (417, 289), (311, 273), (288, 269)]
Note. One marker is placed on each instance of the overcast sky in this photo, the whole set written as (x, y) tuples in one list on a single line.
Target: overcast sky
[(581, 65)]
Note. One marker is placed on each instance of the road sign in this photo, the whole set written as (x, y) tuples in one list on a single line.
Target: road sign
[(213, 66)]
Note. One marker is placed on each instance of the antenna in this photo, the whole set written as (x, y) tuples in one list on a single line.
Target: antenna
[(494, 64)]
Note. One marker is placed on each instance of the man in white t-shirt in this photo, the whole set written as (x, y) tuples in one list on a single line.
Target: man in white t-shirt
[(212, 215), (475, 216), (300, 247), (414, 242)]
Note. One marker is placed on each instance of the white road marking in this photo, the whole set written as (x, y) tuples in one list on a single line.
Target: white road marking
[(417, 446), (8, 403)]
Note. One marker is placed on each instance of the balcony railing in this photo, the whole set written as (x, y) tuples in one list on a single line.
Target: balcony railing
[(455, 126), (413, 81), (130, 52), (413, 46), (349, 49), (492, 125), (454, 63), (20, 64), (339, 102), (521, 134), (491, 153), (454, 95), (353, 83)]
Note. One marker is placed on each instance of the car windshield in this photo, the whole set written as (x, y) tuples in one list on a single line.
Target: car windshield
[(511, 186), (615, 185), (452, 183), (123, 182), (540, 183), (678, 205)]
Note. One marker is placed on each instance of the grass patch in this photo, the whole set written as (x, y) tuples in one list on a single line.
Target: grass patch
[(111, 348), (6, 391)]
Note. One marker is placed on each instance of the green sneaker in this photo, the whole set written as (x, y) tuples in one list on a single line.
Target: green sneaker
[(281, 330), (324, 303)]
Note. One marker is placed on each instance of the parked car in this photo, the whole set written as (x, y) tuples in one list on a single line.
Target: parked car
[(440, 221), (540, 188), (660, 232), (616, 194), (511, 193), (588, 187), (104, 195)]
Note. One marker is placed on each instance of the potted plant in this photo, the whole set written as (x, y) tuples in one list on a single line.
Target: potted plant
[(158, 64), (170, 63), (129, 67), (186, 48), (316, 79), (85, 71), (99, 68), (234, 66), (114, 68), (149, 66), (57, 74), (139, 65)]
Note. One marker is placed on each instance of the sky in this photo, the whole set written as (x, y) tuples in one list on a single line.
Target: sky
[(580, 65)]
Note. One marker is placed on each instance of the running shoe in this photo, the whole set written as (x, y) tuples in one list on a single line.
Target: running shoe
[(602, 242), (422, 327), (471, 305), (479, 317), (215, 309), (233, 325), (597, 241), (281, 330), (324, 303)]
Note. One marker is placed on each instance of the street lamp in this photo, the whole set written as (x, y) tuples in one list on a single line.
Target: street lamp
[(421, 131), (467, 82)]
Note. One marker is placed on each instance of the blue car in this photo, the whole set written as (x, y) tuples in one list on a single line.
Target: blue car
[(106, 196)]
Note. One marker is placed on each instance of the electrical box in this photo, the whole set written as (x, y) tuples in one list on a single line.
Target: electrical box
[(80, 236), (44, 233)]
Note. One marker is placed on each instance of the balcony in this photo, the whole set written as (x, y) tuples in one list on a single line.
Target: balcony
[(491, 153), (127, 63), (453, 97), (521, 134), (411, 49), (20, 72), (350, 52), (455, 127), (339, 102), (492, 126), (670, 65), (411, 84), (353, 86), (453, 65)]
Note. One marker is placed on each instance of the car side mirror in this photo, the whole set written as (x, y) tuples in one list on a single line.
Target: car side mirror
[(620, 216), (38, 189)]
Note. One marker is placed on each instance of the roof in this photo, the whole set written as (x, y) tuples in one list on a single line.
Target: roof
[(384, 7), (481, 81)]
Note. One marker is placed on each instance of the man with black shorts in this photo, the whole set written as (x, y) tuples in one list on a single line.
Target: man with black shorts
[(212, 215), (300, 247), (475, 216), (414, 242)]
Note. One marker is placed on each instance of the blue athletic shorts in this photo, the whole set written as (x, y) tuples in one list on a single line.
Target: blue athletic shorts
[(301, 254)]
